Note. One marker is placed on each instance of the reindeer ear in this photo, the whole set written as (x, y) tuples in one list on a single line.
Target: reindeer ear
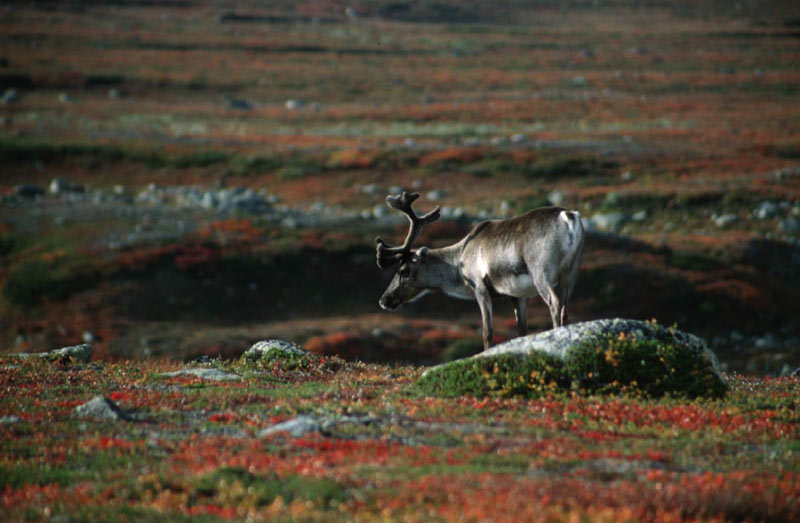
[(420, 255)]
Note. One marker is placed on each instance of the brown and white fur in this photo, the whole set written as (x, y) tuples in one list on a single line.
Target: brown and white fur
[(537, 252)]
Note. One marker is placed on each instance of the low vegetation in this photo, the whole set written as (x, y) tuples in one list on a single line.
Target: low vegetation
[(191, 447)]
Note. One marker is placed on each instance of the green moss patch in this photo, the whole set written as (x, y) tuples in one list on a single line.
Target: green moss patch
[(531, 375), (240, 487)]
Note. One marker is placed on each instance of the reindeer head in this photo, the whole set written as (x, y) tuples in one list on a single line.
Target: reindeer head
[(407, 285)]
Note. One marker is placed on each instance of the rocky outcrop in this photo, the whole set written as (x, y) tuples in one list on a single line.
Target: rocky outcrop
[(74, 353), (100, 408), (273, 349), (203, 373), (602, 356)]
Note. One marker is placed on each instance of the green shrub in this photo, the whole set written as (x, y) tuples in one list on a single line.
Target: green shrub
[(650, 367), (461, 349), (506, 375), (31, 281), (262, 490)]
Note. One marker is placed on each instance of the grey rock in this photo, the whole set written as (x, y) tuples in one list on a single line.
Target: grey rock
[(518, 138), (556, 197), (560, 342), (273, 347), (725, 220), (789, 225), (296, 427), (435, 195), (379, 211), (639, 216), (80, 353), (61, 186), (66, 98), (294, 105), (10, 96), (370, 188), (100, 408), (206, 374), (9, 420), (611, 221), (326, 425), (766, 210)]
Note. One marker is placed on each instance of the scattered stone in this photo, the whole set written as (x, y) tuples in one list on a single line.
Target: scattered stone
[(66, 98), (294, 105), (579, 81), (767, 341), (435, 195), (272, 348), (611, 221), (89, 337), (100, 408), (296, 427), (114, 94), (497, 141), (472, 142), (206, 374), (59, 186), (325, 425), (379, 211), (396, 189), (371, 188), (789, 225), (9, 420), (639, 216), (725, 220), (518, 138), (556, 197), (10, 96), (766, 210), (627, 176), (236, 103), (79, 353), (28, 191)]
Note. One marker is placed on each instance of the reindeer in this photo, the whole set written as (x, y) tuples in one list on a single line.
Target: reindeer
[(515, 258)]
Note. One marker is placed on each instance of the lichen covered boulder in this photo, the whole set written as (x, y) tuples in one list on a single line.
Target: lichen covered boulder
[(596, 357), (74, 353), (284, 353)]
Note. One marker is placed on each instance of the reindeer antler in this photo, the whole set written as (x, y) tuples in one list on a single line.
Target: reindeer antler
[(388, 256)]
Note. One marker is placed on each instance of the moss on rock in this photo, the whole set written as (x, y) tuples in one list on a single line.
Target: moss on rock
[(530, 375), (606, 357)]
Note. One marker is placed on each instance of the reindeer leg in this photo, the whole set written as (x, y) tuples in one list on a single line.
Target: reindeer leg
[(485, 303), (563, 315), (554, 304), (521, 315)]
